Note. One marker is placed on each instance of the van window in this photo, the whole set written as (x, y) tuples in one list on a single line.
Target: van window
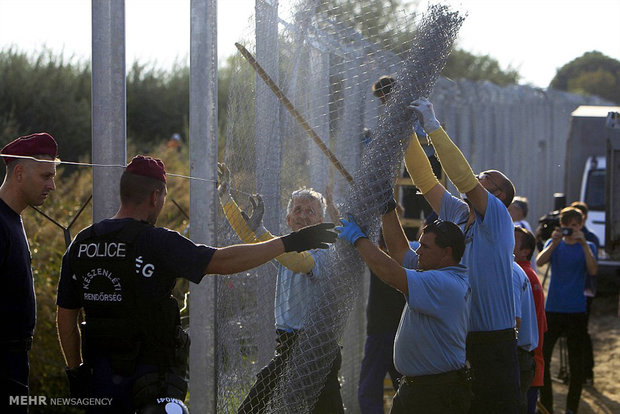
[(595, 190)]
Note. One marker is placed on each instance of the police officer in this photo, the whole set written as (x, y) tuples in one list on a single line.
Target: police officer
[(121, 271), (27, 182)]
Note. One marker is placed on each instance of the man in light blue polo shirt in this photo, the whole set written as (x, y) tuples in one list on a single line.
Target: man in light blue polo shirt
[(527, 326), (297, 288), (429, 349), (489, 245)]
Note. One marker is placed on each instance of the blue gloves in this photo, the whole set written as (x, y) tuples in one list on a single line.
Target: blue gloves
[(349, 230)]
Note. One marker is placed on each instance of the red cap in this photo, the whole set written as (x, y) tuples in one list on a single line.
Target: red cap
[(40, 143), (147, 167)]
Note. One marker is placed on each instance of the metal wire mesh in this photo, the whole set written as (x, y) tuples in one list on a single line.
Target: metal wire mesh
[(326, 68)]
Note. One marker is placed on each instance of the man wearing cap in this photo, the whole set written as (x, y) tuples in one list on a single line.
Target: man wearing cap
[(121, 271), (28, 181)]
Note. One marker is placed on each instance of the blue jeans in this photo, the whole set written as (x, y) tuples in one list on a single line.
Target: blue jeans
[(532, 399), (378, 360)]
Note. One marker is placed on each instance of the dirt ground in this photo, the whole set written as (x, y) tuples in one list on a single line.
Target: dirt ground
[(603, 397)]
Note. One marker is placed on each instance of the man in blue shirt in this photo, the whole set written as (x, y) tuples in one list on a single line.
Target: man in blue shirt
[(489, 244), (29, 180), (572, 258), (429, 349), (527, 327), (297, 287)]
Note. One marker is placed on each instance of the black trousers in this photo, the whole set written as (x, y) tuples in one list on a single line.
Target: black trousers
[(573, 325), (527, 366), (433, 397), (588, 356), (14, 371), (495, 365), (259, 397)]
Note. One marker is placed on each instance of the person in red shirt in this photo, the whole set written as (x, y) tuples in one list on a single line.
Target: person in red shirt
[(525, 244)]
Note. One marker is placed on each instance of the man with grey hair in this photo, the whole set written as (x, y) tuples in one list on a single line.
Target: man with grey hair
[(518, 212), (296, 289)]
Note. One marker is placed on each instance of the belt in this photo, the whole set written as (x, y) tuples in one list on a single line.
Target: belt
[(443, 378), (523, 351), (485, 337), (16, 345)]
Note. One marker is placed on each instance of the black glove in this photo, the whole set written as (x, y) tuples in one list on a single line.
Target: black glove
[(311, 237), (255, 221), (391, 205), (79, 381)]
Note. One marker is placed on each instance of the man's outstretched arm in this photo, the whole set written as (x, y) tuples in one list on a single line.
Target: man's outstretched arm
[(241, 257), (385, 267), (452, 159), (394, 236), (421, 172)]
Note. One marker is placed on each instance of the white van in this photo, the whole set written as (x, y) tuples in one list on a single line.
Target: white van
[(593, 194)]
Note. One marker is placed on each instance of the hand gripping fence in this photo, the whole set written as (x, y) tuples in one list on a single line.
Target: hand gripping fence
[(301, 379)]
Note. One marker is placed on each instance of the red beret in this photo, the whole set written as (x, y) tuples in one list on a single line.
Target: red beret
[(40, 143), (147, 167)]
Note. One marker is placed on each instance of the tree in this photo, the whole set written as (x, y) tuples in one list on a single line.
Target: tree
[(45, 93), (381, 22), (593, 73), (462, 64), (157, 103), (385, 24)]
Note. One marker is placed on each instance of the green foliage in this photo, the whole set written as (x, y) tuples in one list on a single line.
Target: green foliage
[(593, 73), (382, 22), (157, 103), (45, 93), (464, 65), (387, 24)]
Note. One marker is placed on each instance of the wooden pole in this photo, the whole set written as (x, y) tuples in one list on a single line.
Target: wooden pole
[(289, 105)]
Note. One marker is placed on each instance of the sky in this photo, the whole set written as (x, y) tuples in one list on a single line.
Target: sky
[(536, 37)]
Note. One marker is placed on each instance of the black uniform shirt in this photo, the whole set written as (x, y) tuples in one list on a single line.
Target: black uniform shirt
[(385, 307), (164, 255), (17, 301)]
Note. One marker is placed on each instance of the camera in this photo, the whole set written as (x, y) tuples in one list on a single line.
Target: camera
[(567, 231), (546, 225), (551, 220)]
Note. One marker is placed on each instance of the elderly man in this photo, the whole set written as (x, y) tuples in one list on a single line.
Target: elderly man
[(29, 180), (121, 271), (489, 235), (297, 287)]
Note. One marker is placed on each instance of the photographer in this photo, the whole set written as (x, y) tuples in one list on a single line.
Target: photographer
[(572, 258)]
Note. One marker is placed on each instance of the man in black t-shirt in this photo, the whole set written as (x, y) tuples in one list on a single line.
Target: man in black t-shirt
[(28, 181), (121, 271)]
